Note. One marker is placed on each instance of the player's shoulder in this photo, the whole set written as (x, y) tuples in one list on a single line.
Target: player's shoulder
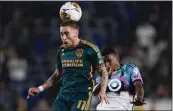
[(129, 66), (60, 49), (89, 45), (132, 65)]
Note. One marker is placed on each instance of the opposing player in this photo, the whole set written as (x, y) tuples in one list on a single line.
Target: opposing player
[(76, 62), (124, 85)]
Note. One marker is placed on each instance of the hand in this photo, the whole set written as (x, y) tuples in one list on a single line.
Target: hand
[(109, 71), (138, 102), (140, 98), (102, 97), (33, 91), (140, 95)]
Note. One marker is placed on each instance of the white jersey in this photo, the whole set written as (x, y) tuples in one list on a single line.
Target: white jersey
[(117, 102)]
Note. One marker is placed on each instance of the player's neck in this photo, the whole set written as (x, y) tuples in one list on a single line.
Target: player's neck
[(117, 67), (114, 71), (76, 42)]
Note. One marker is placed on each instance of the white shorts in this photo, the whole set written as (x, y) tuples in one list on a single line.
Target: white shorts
[(117, 102)]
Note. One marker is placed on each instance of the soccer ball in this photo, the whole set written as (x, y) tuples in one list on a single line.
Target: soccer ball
[(70, 11)]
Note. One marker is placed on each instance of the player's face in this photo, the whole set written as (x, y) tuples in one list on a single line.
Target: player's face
[(111, 61), (68, 35)]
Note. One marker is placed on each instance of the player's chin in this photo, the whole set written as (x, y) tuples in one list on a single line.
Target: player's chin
[(67, 44)]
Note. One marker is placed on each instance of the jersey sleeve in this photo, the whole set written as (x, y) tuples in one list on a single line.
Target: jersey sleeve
[(96, 57), (135, 75), (58, 60)]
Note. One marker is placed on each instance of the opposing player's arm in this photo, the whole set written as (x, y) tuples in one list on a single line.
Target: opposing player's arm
[(139, 89), (138, 82)]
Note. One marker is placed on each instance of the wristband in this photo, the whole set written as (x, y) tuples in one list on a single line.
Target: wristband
[(41, 88)]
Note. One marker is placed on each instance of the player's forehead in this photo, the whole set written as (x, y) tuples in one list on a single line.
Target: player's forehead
[(65, 29), (108, 57)]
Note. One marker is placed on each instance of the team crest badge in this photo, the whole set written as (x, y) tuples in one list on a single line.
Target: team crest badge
[(79, 53)]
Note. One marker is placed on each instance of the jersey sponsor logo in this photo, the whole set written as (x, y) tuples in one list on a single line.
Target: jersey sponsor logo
[(79, 52), (72, 63)]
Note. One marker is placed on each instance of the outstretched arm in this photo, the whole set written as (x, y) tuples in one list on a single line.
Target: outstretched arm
[(52, 80), (49, 83), (56, 76)]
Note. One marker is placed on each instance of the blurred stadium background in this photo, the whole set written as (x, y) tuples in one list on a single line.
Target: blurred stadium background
[(141, 32)]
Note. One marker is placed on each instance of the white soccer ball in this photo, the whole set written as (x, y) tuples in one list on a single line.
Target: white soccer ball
[(70, 11)]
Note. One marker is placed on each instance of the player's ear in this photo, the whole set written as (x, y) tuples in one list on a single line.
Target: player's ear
[(117, 57), (77, 33)]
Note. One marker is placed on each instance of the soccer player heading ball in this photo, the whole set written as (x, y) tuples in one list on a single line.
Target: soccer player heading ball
[(124, 86), (76, 62)]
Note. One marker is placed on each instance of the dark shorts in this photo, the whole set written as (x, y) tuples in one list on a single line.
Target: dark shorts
[(69, 101)]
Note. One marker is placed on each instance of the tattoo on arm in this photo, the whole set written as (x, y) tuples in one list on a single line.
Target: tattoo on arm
[(104, 78), (52, 80)]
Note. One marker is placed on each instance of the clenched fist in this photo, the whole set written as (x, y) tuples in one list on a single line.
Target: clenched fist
[(33, 91)]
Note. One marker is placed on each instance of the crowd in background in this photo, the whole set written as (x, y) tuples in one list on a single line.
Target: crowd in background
[(141, 33)]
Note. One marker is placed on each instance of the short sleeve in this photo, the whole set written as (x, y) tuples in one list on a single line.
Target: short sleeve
[(96, 57), (58, 60), (135, 75)]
